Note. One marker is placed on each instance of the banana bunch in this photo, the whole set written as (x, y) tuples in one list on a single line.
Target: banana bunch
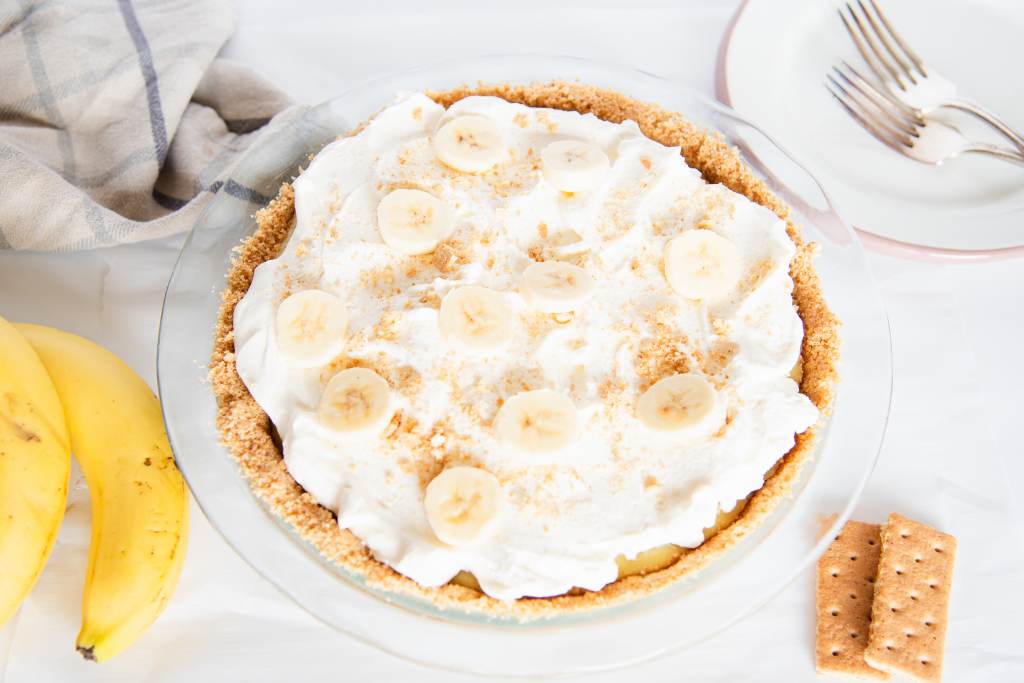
[(59, 394)]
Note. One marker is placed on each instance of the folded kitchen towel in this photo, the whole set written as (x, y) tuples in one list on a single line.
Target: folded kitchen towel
[(117, 120)]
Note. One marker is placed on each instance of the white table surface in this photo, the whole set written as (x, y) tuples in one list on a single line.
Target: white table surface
[(953, 457)]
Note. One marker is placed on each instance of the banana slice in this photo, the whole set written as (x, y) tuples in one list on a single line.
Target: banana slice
[(684, 402), (463, 504), (556, 286), (471, 143), (356, 401), (413, 221), (537, 421), (310, 327), (477, 318), (700, 264), (574, 165)]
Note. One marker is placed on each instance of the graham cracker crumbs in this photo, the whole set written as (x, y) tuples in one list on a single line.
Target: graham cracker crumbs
[(612, 392), (753, 277), (539, 324), (380, 279), (385, 327), (730, 415), (448, 256), (715, 209), (660, 226), (521, 379), (720, 354), (545, 120), (407, 381), (664, 353), (247, 433), (660, 357), (430, 299)]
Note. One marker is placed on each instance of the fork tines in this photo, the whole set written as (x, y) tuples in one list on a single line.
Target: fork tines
[(886, 119), (884, 51)]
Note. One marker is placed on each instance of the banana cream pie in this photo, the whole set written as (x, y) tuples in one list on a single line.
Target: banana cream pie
[(523, 349)]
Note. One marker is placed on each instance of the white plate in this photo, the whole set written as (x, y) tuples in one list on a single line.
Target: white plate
[(773, 70)]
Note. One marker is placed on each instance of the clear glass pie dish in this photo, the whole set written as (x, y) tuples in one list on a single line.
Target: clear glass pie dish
[(738, 582)]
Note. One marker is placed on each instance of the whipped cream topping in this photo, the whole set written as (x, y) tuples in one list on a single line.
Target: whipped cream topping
[(620, 488)]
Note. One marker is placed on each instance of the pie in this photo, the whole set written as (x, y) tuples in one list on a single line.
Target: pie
[(523, 350)]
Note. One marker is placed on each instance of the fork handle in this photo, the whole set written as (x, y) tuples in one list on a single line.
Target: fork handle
[(989, 118), (998, 152)]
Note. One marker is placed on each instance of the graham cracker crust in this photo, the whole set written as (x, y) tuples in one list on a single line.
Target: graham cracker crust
[(247, 432)]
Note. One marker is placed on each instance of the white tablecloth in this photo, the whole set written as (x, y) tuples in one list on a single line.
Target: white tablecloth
[(953, 458)]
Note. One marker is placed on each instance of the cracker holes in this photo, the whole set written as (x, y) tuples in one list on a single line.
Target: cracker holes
[(933, 585), (924, 661), (852, 558), (937, 549), (835, 653), (894, 608), (929, 624), (871, 541), (904, 534), (853, 634), (899, 572), (853, 596), (834, 613), (917, 559)]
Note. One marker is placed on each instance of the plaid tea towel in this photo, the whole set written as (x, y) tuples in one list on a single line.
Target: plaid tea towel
[(118, 121)]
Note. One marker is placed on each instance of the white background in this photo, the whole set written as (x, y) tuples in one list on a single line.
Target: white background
[(953, 457)]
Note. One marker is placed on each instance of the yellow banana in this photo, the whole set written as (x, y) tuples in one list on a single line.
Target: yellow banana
[(139, 499), (35, 459)]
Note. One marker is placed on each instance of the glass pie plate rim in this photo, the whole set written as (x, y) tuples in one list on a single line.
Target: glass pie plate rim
[(743, 579)]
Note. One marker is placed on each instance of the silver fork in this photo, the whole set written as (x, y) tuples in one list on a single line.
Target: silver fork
[(900, 127), (904, 74)]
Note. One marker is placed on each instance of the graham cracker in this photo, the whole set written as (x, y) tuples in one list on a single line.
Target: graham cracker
[(909, 615), (846, 575)]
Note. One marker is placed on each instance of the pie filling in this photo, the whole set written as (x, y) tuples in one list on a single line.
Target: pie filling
[(522, 344)]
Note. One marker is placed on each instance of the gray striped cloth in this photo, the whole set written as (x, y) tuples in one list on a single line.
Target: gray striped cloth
[(118, 121)]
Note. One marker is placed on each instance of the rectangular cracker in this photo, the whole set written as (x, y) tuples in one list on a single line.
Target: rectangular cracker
[(909, 616), (846, 573)]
